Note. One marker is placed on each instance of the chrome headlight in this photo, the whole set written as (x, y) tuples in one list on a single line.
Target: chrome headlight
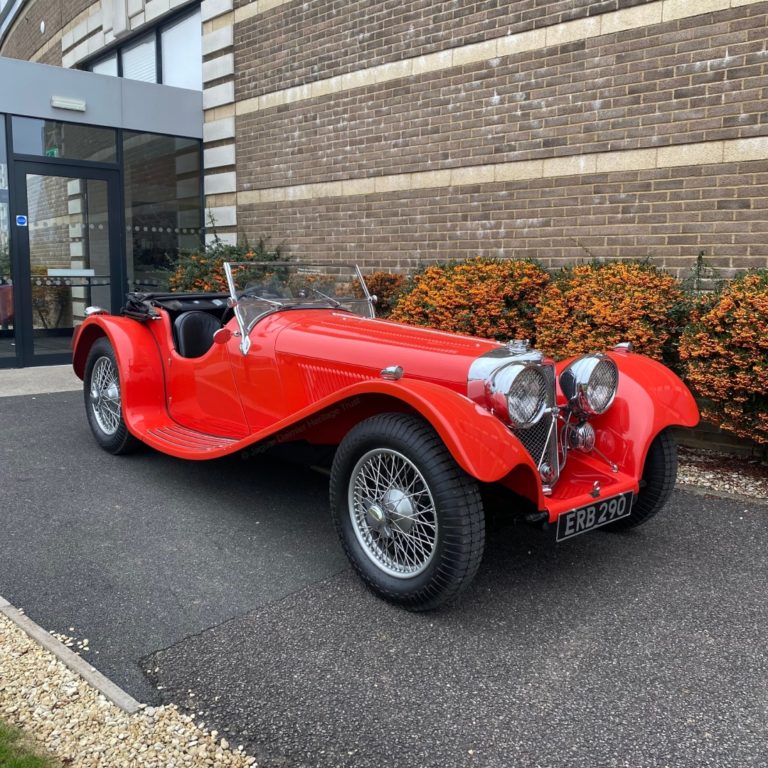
[(518, 394), (590, 384)]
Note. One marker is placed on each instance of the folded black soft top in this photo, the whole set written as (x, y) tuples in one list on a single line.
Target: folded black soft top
[(139, 305)]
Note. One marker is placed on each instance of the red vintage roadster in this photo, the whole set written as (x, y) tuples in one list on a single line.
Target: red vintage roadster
[(421, 421)]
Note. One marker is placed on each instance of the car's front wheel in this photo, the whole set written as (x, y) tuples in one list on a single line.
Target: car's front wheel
[(410, 519), (656, 484), (103, 400)]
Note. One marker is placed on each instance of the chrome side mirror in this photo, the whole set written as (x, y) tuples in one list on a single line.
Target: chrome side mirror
[(222, 336)]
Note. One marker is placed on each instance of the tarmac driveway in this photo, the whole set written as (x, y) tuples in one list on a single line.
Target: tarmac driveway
[(138, 552), (225, 580)]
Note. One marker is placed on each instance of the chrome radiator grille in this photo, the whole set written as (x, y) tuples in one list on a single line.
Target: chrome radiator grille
[(540, 440)]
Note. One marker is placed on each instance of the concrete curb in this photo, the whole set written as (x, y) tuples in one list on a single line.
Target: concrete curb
[(70, 659)]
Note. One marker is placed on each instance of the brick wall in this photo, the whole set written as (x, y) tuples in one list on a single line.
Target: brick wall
[(695, 83), (52, 57), (689, 81), (25, 38), (668, 213), (405, 132), (302, 41)]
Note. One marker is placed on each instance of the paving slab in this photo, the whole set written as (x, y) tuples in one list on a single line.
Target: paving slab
[(38, 380)]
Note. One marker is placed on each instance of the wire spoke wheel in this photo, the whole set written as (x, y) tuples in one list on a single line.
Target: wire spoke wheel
[(393, 512), (103, 400), (105, 395), (409, 518)]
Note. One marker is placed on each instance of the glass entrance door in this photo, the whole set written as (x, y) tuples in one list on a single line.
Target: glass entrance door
[(68, 256)]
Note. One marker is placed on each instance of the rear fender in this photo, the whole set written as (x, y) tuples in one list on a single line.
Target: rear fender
[(138, 359), (649, 399)]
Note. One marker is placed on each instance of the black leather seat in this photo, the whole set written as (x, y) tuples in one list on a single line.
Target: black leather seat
[(194, 333)]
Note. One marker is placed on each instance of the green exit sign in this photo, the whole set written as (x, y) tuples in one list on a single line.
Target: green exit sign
[(52, 152)]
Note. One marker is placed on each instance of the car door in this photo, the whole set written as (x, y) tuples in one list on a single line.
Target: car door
[(256, 374), (200, 391)]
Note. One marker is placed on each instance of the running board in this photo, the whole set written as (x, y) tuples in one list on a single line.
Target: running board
[(187, 443)]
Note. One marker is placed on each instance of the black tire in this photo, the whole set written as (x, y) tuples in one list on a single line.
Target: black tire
[(432, 487), (102, 408), (656, 484)]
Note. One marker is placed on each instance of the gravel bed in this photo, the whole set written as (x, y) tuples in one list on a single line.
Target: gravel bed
[(76, 724), (722, 473)]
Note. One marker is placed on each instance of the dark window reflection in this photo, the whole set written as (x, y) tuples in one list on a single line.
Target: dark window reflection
[(162, 205), (49, 138)]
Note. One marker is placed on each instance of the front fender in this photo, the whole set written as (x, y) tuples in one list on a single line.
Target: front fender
[(138, 360), (481, 445), (649, 399)]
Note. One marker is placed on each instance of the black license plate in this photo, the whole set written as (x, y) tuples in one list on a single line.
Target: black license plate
[(601, 512)]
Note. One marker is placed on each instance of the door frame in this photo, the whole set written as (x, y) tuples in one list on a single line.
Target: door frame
[(20, 255)]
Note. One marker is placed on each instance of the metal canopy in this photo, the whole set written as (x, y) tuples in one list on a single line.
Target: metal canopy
[(30, 89)]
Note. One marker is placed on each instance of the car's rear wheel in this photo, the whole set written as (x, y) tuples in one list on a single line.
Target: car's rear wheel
[(103, 400), (410, 519), (656, 484)]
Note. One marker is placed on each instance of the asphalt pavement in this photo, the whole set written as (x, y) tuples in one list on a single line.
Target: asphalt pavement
[(220, 586), (139, 552)]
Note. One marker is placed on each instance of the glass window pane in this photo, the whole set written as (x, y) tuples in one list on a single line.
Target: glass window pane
[(71, 140), (68, 255), (163, 212), (7, 348), (140, 60), (183, 53), (106, 66)]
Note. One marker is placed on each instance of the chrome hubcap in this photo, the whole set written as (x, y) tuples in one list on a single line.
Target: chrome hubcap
[(393, 513), (376, 517), (105, 396)]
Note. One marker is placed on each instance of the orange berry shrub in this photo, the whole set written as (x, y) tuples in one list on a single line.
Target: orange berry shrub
[(203, 270), (724, 352), (492, 298), (591, 307), (387, 287)]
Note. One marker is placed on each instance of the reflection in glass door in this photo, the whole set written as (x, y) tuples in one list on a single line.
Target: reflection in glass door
[(69, 256), (7, 339)]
